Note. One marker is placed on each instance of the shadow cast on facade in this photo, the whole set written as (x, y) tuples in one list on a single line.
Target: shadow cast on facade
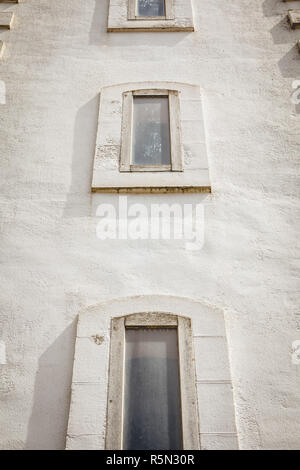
[(283, 34), (278, 7), (85, 133), (47, 428), (289, 64)]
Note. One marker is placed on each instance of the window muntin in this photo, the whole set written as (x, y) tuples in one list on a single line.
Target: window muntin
[(151, 131), (152, 411), (150, 8)]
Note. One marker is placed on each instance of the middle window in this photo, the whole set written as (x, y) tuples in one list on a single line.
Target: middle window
[(151, 133)]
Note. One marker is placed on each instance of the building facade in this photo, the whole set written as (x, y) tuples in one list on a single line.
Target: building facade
[(149, 223)]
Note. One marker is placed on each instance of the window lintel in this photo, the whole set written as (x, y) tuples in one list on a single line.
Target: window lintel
[(151, 320)]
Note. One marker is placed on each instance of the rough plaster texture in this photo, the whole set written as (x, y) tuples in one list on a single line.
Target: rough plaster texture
[(58, 56)]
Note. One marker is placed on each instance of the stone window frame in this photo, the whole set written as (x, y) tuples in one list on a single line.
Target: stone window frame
[(169, 12), (212, 358), (187, 375), (122, 17), (175, 132), (107, 176)]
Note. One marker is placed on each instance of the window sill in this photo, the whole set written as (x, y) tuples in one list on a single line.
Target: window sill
[(154, 190), (139, 28), (149, 18), (155, 168)]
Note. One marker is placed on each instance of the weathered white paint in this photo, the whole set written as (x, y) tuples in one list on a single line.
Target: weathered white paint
[(58, 57)]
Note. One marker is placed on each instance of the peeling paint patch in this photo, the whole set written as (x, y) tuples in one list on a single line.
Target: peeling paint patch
[(98, 339)]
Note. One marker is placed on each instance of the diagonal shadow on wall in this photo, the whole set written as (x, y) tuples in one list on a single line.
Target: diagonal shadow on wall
[(48, 422), (85, 133), (278, 7)]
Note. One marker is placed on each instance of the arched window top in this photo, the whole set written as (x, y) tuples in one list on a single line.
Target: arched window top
[(201, 333)]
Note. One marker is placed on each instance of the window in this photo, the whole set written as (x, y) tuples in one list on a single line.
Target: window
[(150, 8), (151, 392), (152, 400), (150, 15), (151, 131)]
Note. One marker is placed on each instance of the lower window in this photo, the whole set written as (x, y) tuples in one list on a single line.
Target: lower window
[(152, 398), (152, 411)]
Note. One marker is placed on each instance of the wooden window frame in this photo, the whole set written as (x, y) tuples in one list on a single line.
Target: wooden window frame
[(169, 12), (187, 376), (175, 132)]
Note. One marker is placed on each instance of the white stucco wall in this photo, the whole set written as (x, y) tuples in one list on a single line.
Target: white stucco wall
[(57, 57)]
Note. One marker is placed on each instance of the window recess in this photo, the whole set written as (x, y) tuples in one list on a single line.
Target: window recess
[(151, 363), (151, 10)]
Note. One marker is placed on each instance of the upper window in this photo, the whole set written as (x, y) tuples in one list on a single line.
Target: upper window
[(151, 132), (150, 8), (150, 15)]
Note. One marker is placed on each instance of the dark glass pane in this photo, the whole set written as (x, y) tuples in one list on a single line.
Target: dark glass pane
[(150, 7), (152, 414), (151, 131)]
